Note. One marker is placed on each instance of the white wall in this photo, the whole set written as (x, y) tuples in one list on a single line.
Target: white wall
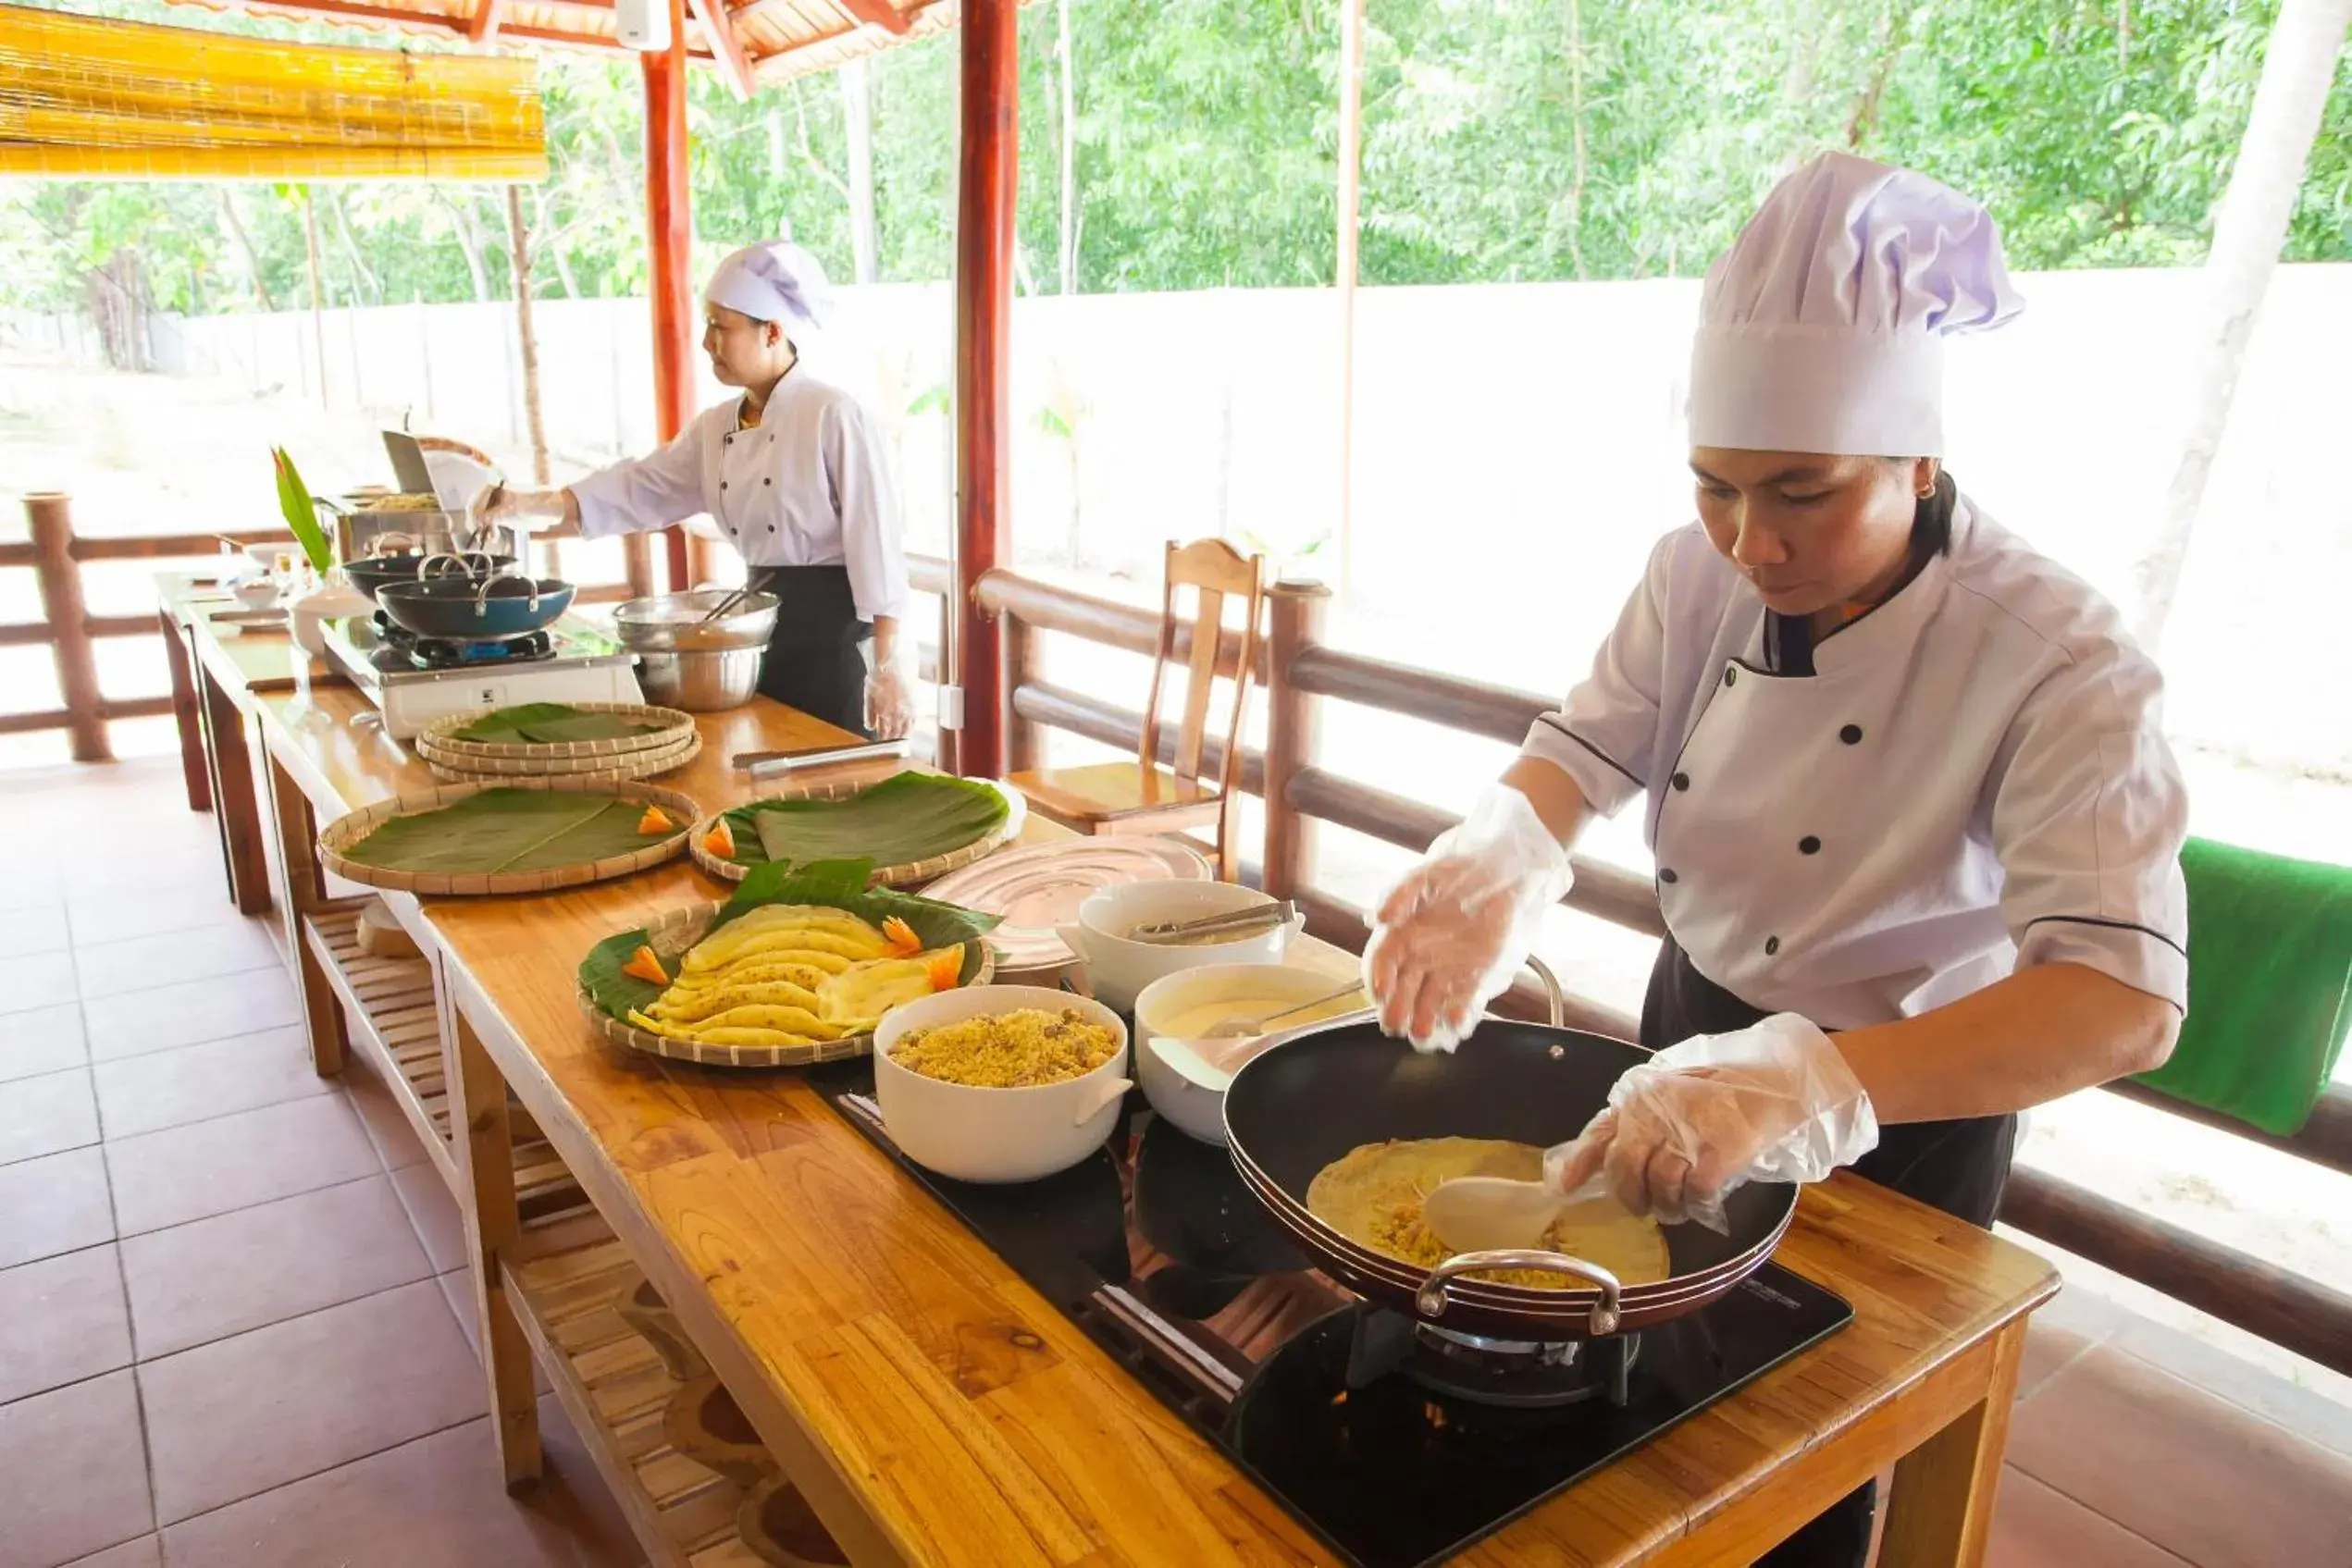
[(1517, 447)]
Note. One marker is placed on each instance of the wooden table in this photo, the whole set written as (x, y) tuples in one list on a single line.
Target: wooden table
[(219, 670), (932, 1407)]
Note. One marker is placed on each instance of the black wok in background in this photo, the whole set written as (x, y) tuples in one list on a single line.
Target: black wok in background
[(1303, 1105)]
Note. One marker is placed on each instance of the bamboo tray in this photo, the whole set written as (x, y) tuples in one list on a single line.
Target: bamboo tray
[(351, 828), (441, 735), (590, 769), (670, 936), (911, 873)]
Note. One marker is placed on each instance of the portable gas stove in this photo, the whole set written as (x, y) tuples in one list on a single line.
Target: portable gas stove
[(413, 680), (1398, 1442)]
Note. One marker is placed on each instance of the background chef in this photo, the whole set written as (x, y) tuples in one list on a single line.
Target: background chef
[(1916, 825), (797, 475)]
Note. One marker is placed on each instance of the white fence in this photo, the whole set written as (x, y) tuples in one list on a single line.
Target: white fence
[(1517, 447)]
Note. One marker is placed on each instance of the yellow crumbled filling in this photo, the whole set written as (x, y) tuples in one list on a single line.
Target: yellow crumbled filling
[(1403, 1235), (1017, 1050)]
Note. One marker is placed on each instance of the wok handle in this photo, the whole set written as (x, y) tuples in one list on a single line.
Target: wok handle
[(1553, 998), (1432, 1297)]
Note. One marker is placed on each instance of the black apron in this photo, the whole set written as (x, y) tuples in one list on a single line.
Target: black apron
[(1960, 1166), (815, 659)]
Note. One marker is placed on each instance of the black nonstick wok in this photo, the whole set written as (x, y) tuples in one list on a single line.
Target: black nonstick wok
[(470, 610), (372, 572), (1303, 1103)]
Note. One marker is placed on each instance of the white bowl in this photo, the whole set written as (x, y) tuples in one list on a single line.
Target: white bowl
[(978, 1134), (1119, 969), (1195, 1110), (255, 592)]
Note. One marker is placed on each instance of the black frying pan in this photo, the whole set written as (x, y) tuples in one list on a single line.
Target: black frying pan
[(468, 610), (1302, 1104), (372, 572)]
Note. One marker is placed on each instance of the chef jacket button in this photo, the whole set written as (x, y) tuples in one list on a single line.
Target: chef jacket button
[(772, 527), (1851, 734), (767, 481), (1731, 677), (723, 484), (1665, 874), (1772, 945), (1682, 781), (1808, 845)]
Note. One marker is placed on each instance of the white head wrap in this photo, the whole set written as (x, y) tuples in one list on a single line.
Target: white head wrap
[(1822, 328), (774, 280)]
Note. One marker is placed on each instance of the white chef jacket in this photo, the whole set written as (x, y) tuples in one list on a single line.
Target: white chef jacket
[(1973, 780), (810, 485)]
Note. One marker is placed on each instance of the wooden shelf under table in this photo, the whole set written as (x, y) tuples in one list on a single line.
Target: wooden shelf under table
[(564, 1283), (392, 1018)]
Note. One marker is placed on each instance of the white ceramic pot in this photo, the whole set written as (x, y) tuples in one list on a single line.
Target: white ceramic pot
[(1166, 1003), (996, 1134), (332, 601), (1119, 969)]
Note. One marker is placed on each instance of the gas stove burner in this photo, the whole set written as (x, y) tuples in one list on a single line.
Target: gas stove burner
[(1504, 1374), (1521, 1373), (442, 653)]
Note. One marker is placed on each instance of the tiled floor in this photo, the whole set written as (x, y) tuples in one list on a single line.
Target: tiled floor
[(224, 1340), (234, 1326)]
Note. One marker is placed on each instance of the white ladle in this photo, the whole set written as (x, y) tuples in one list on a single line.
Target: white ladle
[(1239, 1027), (1210, 1059), (1479, 1213)]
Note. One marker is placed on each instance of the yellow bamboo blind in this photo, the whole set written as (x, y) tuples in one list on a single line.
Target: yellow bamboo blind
[(88, 99)]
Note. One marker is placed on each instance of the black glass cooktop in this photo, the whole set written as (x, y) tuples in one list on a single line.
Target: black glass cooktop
[(1157, 1251)]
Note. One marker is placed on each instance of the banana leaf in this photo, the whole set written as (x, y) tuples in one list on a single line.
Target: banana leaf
[(841, 883), (507, 829), (301, 513), (906, 817), (545, 723)]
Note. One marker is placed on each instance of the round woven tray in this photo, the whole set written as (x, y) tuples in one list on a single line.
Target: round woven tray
[(441, 735), (912, 873), (349, 829), (670, 936), (586, 770)]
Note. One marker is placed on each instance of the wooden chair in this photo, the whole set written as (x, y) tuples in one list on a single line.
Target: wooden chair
[(1142, 796)]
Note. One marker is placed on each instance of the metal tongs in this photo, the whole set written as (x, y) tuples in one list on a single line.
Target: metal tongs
[(1233, 922), (756, 763)]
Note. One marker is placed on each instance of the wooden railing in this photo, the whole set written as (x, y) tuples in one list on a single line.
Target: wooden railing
[(1299, 672), (56, 555)]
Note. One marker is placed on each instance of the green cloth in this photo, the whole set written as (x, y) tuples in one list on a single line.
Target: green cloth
[(2269, 984)]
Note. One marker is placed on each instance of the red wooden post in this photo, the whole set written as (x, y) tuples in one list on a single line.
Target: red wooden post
[(669, 221), (985, 182)]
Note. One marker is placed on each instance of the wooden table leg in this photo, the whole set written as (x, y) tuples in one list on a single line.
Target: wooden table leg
[(233, 795), (297, 845), (184, 715), (493, 1223), (1940, 1510)]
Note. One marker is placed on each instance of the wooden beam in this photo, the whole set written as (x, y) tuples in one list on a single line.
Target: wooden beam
[(2311, 1319), (1351, 183), (879, 13), (987, 177), (669, 220), (482, 28), (735, 66)]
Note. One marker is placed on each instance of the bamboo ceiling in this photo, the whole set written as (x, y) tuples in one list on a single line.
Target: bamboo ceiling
[(749, 42)]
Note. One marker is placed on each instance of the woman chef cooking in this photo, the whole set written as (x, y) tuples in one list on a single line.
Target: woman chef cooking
[(797, 475), (1916, 822)]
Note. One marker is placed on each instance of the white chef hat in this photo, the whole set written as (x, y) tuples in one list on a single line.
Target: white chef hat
[(773, 280), (1822, 328)]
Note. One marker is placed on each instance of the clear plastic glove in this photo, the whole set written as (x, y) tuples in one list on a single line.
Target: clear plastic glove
[(1775, 1101), (890, 698), (1449, 937)]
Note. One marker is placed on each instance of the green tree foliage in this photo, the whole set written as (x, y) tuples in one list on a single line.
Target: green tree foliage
[(2101, 131)]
